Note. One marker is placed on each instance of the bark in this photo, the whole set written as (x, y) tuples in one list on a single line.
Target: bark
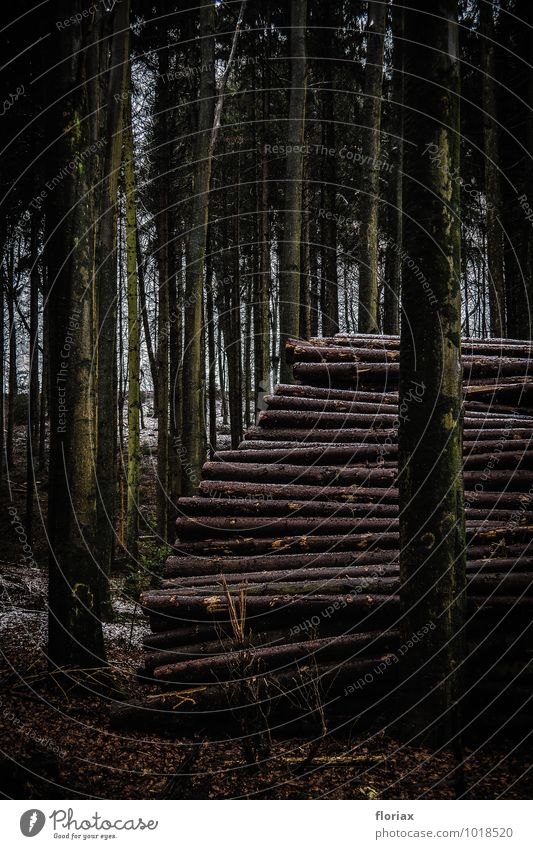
[(492, 174), (163, 158), (2, 369), (371, 148), (212, 358), (106, 295), (289, 272), (74, 628), (134, 388), (328, 223), (432, 534), (146, 325), (12, 380), (193, 368), (32, 436), (392, 283)]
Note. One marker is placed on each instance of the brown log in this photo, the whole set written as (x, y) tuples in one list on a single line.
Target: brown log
[(510, 496), (199, 506), (482, 583), (351, 475), (193, 566), (360, 435), (254, 452), (336, 560), (166, 608), (347, 374), (468, 343), (319, 475), (297, 390), (198, 527), (252, 545), (340, 373), (307, 455), (300, 352), (473, 409), (286, 608), (517, 393), (497, 564), (378, 421), (340, 405), (232, 665), (508, 360), (296, 492)]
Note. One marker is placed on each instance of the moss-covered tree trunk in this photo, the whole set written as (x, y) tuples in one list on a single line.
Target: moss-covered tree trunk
[(134, 388), (492, 175), (193, 366), (106, 293), (162, 157), (370, 173), (432, 537), (74, 628), (289, 272)]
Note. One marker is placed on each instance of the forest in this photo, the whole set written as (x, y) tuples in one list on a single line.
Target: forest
[(266, 478)]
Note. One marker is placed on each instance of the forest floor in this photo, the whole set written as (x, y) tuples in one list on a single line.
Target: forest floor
[(57, 742)]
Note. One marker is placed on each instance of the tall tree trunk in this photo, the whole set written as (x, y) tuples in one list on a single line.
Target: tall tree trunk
[(175, 292), (211, 356), (492, 175), (193, 366), (44, 399), (146, 324), (74, 629), (134, 387), (163, 269), (32, 436), (371, 152), (2, 373), (106, 296), (262, 300), (12, 385), (432, 537), (328, 221), (289, 274), (391, 298)]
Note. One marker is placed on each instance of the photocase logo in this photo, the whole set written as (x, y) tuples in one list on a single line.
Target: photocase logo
[(32, 822)]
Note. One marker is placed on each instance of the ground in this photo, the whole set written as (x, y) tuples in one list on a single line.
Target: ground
[(58, 743)]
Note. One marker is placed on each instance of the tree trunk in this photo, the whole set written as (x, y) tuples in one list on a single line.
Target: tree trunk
[(134, 389), (146, 325), (392, 283), (371, 152), (263, 364), (163, 268), (12, 385), (193, 366), (432, 532), (328, 222), (106, 297), (492, 175), (2, 370), (289, 274), (32, 437), (74, 629)]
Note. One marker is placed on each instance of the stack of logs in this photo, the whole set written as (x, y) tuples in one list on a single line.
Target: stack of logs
[(280, 602)]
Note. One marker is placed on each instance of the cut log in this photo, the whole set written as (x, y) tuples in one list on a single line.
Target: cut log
[(500, 565), (238, 664), (262, 507)]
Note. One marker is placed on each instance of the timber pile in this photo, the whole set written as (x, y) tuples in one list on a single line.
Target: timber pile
[(280, 602)]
